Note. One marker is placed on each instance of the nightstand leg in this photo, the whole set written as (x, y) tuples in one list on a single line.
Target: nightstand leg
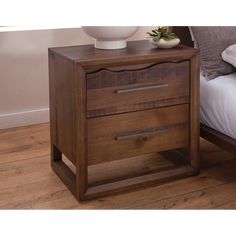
[(62, 170), (81, 133), (56, 154), (194, 113), (81, 179)]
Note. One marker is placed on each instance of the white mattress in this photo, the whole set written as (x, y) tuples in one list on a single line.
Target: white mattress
[(218, 103)]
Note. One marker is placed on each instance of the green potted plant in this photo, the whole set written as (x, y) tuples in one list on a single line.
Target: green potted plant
[(162, 38)]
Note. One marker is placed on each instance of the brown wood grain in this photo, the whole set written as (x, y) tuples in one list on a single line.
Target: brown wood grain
[(112, 104), (80, 131), (139, 181), (183, 34), (61, 105), (171, 81), (102, 133), (137, 52), (194, 113), (23, 185), (138, 165), (218, 138)]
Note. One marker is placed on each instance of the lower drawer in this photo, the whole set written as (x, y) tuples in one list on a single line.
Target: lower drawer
[(130, 134)]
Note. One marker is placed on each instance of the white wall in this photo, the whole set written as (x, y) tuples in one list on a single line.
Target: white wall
[(24, 72)]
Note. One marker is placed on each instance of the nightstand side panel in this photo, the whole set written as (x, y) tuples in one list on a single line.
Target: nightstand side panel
[(61, 104)]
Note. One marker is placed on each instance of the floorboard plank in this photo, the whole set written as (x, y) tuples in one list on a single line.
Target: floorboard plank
[(27, 181)]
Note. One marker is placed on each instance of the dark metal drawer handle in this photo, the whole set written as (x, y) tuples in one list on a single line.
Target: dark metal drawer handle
[(142, 88), (142, 134)]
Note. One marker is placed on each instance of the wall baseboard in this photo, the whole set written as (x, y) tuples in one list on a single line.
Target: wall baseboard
[(24, 118)]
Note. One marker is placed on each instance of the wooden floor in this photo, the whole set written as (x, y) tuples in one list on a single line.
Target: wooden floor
[(27, 181)]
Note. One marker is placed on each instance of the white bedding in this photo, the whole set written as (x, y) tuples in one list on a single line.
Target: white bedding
[(218, 103)]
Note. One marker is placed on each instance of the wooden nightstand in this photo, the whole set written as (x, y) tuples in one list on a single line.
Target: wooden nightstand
[(111, 106)]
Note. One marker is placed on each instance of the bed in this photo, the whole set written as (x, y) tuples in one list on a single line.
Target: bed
[(218, 109)]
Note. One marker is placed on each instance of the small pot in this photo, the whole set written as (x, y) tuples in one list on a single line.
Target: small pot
[(166, 43), (110, 37)]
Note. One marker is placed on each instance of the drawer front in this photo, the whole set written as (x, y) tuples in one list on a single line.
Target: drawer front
[(111, 91), (130, 134)]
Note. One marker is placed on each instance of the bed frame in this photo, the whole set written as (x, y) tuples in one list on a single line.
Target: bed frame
[(207, 133)]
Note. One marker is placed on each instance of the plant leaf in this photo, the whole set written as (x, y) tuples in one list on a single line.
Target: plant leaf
[(162, 30), (157, 38), (157, 33), (151, 34), (169, 37)]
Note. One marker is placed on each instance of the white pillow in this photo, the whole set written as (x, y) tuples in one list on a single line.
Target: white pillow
[(229, 55)]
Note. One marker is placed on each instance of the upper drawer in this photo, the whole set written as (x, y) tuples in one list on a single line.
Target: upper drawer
[(111, 91)]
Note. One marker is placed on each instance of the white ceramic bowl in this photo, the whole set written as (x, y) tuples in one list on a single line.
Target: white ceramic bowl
[(110, 37), (166, 43)]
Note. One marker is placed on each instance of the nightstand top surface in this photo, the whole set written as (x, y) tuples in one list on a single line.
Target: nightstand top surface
[(142, 49)]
